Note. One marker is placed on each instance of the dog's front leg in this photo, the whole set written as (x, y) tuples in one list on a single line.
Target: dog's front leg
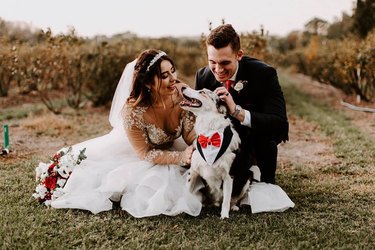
[(227, 193), (191, 179)]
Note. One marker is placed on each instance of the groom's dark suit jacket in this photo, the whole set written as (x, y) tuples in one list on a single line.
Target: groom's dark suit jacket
[(261, 95)]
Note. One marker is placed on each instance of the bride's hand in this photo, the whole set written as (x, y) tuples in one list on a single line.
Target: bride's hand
[(186, 155)]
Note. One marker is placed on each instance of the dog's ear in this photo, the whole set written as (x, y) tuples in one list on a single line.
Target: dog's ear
[(221, 107)]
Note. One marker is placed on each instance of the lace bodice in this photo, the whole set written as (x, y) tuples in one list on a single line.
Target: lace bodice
[(152, 131)]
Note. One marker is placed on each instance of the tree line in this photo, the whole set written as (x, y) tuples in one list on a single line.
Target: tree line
[(341, 54)]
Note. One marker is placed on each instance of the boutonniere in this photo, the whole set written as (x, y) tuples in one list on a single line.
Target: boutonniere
[(239, 85)]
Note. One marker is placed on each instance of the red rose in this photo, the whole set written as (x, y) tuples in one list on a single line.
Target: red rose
[(56, 157), (50, 182), (51, 167)]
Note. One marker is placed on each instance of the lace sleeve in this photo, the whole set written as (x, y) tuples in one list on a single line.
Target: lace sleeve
[(136, 130), (188, 132)]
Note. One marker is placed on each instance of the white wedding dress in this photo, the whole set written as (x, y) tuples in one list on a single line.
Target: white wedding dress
[(114, 172)]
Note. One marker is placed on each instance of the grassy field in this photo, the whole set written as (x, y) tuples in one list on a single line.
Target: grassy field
[(335, 199)]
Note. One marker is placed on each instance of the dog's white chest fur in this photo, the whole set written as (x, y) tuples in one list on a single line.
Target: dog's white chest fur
[(217, 170)]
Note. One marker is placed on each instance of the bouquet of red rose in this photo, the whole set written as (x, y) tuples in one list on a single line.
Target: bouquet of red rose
[(53, 176)]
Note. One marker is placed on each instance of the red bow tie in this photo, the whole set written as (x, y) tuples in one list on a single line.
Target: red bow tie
[(228, 84), (214, 140)]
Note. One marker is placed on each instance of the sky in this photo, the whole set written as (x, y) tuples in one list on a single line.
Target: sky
[(157, 18)]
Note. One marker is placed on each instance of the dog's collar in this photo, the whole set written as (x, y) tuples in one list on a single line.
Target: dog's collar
[(227, 137)]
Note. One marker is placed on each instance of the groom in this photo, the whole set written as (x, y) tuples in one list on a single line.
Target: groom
[(254, 98)]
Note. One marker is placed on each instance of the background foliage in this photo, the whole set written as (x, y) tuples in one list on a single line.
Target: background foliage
[(341, 54), (85, 70)]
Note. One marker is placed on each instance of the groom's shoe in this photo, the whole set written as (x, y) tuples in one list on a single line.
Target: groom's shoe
[(268, 179), (116, 200)]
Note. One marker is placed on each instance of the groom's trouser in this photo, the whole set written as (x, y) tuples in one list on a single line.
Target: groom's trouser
[(266, 157), (255, 149)]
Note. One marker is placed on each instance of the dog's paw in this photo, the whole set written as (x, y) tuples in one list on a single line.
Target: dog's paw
[(234, 208), (224, 215)]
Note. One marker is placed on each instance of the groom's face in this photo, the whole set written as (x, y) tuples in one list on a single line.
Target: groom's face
[(223, 62)]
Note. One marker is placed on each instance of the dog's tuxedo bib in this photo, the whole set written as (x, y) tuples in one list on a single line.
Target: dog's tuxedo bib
[(212, 146)]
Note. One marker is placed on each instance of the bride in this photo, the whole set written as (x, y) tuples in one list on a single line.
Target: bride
[(142, 162)]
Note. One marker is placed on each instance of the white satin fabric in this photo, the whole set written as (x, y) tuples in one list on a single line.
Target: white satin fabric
[(112, 171)]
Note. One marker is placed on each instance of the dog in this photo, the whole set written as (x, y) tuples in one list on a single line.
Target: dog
[(216, 145)]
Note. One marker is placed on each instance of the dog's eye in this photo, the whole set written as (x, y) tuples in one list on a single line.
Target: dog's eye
[(201, 92)]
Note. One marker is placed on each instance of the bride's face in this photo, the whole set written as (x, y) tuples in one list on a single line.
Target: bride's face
[(168, 79)]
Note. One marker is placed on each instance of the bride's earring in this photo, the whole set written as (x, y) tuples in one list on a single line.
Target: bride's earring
[(148, 90)]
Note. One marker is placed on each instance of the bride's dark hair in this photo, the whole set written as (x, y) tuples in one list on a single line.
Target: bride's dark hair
[(144, 73)]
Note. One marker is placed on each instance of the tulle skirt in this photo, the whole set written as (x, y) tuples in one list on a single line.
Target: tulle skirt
[(112, 173)]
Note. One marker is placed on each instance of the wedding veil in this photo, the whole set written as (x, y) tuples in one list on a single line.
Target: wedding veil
[(121, 94), (115, 143)]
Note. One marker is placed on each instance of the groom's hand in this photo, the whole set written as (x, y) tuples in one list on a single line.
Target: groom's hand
[(226, 97)]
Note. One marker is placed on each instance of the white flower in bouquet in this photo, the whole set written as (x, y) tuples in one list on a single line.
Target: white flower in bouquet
[(65, 150), (41, 169), (63, 171), (67, 160), (57, 193), (61, 182), (44, 175), (40, 192)]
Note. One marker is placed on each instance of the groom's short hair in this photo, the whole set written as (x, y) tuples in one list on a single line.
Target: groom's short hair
[(223, 36)]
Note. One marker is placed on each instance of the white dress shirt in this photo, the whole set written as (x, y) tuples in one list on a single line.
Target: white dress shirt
[(247, 119)]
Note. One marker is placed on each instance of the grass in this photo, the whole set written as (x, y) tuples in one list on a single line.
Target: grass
[(27, 109), (335, 205), (20, 112)]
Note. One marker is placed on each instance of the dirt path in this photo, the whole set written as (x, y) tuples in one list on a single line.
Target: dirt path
[(365, 121), (308, 147), (42, 135)]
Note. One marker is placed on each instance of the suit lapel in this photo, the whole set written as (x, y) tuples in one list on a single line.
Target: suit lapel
[(240, 73), (216, 84), (240, 76)]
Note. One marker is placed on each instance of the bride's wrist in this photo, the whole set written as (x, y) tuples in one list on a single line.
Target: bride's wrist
[(183, 160)]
